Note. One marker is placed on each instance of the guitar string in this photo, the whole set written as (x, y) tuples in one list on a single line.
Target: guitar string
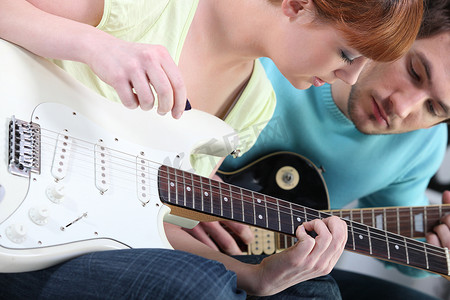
[(133, 168), (431, 214), (406, 209), (314, 216)]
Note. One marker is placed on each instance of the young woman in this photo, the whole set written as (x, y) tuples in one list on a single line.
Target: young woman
[(206, 50)]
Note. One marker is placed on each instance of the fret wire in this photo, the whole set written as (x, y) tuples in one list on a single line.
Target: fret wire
[(221, 205), (211, 195), (306, 217), (292, 217), (267, 215), (232, 207), (426, 255), (184, 191), (243, 213), (407, 252), (353, 235), (370, 240), (425, 215), (411, 221), (384, 219), (373, 217), (387, 245), (279, 216), (175, 185), (168, 187), (254, 210), (193, 194), (398, 221), (220, 195), (362, 215)]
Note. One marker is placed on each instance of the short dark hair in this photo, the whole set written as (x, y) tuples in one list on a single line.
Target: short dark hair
[(436, 18)]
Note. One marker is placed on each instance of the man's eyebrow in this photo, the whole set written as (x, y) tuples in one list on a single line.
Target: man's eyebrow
[(429, 71)]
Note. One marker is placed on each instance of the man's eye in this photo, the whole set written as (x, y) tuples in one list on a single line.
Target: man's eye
[(431, 108), (345, 58)]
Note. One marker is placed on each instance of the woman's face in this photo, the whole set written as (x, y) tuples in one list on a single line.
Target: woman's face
[(314, 53)]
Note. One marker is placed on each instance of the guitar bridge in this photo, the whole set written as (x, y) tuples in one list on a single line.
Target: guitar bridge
[(24, 148)]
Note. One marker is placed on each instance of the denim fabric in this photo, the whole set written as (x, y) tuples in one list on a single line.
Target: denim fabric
[(126, 274), (322, 288)]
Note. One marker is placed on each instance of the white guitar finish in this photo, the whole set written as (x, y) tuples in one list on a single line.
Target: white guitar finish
[(96, 188)]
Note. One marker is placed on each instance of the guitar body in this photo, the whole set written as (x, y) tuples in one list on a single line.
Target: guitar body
[(77, 172), (285, 175)]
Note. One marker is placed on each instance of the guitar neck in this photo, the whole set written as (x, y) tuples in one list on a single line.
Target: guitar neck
[(206, 196)]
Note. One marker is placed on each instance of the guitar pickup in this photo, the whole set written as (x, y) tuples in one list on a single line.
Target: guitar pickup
[(61, 156)]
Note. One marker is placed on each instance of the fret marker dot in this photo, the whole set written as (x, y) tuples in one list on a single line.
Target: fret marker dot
[(298, 219), (397, 247), (360, 237), (226, 199), (188, 188), (206, 194), (172, 184), (260, 217), (258, 200)]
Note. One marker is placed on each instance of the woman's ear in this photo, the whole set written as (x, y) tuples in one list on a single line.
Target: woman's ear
[(296, 8)]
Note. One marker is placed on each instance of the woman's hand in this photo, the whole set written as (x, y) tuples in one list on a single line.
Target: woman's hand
[(138, 72)]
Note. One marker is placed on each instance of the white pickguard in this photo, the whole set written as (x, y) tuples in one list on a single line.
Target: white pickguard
[(108, 187)]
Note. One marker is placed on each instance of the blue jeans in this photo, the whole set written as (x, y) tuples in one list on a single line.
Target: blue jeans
[(145, 274), (126, 274)]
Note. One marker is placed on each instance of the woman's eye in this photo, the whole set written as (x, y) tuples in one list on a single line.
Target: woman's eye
[(413, 72), (345, 58)]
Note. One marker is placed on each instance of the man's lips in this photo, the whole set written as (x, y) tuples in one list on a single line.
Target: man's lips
[(379, 113)]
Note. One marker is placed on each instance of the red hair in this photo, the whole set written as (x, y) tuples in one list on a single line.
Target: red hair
[(382, 30)]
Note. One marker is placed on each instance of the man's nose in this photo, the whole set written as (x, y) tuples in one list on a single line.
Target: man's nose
[(408, 102)]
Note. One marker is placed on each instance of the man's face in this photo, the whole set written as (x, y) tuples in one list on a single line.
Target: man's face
[(408, 94)]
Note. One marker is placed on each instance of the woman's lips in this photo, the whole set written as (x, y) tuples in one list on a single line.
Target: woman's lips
[(317, 81)]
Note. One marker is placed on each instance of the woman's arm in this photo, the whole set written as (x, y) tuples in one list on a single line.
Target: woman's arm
[(65, 30)]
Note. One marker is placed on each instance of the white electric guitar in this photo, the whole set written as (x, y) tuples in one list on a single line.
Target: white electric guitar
[(79, 174)]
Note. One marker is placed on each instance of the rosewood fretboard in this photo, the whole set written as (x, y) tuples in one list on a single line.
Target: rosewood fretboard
[(203, 195)]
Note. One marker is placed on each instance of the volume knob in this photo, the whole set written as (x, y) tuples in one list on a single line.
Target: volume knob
[(56, 193), (39, 215), (16, 233)]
